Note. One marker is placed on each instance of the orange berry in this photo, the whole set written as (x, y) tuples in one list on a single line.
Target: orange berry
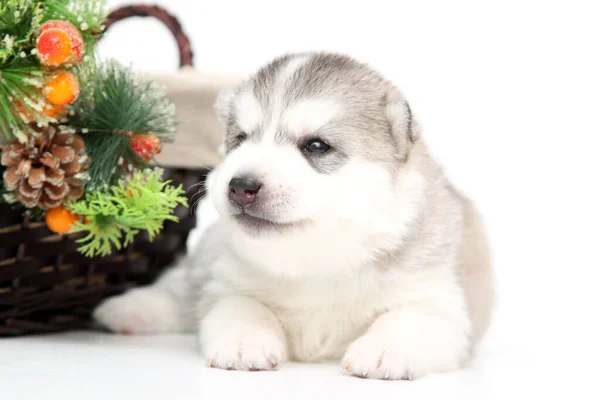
[(60, 220), (61, 88), (58, 43), (53, 111)]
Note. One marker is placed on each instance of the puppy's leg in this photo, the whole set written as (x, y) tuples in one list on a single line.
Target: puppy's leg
[(411, 342), (161, 308), (241, 333)]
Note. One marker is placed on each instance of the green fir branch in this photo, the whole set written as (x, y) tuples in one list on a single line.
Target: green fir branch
[(115, 103), (19, 20), (108, 154), (20, 95), (21, 75), (112, 219), (115, 99)]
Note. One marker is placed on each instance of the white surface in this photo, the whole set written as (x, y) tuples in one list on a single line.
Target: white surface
[(87, 366), (508, 95)]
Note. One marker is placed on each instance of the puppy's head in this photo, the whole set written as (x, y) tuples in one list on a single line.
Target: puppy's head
[(314, 141)]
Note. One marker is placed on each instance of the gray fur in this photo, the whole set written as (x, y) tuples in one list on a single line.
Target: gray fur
[(362, 130)]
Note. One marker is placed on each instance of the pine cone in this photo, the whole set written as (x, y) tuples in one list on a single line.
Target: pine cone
[(41, 171)]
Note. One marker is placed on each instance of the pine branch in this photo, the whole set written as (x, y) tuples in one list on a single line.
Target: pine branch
[(21, 75), (113, 99), (19, 20), (115, 103), (112, 219), (20, 100), (107, 153)]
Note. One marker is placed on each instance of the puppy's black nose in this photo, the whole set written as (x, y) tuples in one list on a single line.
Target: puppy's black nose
[(242, 191)]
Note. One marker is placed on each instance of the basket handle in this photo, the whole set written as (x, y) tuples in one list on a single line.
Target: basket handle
[(186, 55)]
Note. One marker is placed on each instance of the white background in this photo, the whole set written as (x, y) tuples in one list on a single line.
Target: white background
[(508, 94)]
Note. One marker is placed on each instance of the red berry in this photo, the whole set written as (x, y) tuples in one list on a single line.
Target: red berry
[(59, 42), (145, 146)]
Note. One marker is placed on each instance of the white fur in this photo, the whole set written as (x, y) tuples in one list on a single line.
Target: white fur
[(352, 280), (160, 308), (206, 215), (323, 316), (240, 333), (309, 115), (409, 342), (251, 113), (311, 299), (292, 66), (315, 283), (342, 234), (276, 110)]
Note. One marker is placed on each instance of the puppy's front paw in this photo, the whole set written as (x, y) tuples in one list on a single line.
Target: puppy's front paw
[(140, 311), (251, 350), (408, 345), (400, 357), (371, 357)]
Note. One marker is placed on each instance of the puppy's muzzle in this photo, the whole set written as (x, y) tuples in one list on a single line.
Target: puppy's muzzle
[(243, 190)]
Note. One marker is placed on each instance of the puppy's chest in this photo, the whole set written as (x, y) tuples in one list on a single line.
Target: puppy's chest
[(321, 319)]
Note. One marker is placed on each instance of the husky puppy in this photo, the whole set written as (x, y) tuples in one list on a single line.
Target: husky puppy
[(338, 236)]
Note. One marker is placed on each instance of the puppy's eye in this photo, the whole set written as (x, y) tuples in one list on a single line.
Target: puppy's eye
[(241, 137), (316, 146)]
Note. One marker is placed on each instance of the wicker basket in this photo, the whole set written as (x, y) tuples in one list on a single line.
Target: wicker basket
[(46, 285)]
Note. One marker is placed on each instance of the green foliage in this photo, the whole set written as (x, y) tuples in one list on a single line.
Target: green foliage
[(115, 99), (113, 104), (20, 86), (20, 70), (107, 153), (122, 196), (113, 218), (19, 19)]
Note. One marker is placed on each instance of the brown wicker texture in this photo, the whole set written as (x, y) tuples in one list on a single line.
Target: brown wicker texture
[(46, 285)]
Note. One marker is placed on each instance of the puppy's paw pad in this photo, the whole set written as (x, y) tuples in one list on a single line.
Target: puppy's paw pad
[(138, 312), (246, 354), (370, 358)]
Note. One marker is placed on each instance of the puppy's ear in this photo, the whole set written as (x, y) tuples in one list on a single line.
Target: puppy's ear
[(222, 105), (400, 116)]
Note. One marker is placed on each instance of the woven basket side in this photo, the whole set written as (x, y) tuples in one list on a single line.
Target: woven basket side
[(47, 286)]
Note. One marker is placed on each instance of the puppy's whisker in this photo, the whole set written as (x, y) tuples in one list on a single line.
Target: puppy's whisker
[(202, 185), (201, 193), (196, 204), (193, 208)]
